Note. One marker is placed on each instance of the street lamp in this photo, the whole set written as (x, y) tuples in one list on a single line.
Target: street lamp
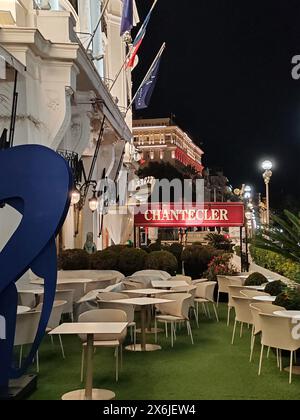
[(78, 194), (247, 191), (75, 197), (267, 165), (93, 202)]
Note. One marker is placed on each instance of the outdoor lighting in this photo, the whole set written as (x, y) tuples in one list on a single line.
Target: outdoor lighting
[(248, 189), (93, 202), (75, 197), (267, 165), (248, 215)]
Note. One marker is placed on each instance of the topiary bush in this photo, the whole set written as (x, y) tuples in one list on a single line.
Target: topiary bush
[(117, 249), (156, 246), (274, 288), (196, 259), (289, 299), (219, 241), (256, 279), (104, 260), (74, 259), (132, 260), (162, 260)]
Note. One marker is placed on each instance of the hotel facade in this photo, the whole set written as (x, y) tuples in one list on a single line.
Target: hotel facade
[(161, 140), (65, 101)]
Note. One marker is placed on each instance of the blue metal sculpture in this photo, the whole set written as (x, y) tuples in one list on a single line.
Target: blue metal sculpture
[(37, 183)]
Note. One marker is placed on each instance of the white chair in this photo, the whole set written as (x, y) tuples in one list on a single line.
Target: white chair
[(129, 309), (180, 277), (232, 291), (205, 295), (242, 314), (257, 309), (68, 297), (27, 299), (78, 288), (110, 340), (174, 313), (191, 289), (98, 284), (55, 319), (277, 332), (223, 284), (26, 329)]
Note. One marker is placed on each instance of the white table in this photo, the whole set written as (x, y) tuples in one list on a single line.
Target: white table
[(270, 299), (90, 329), (288, 314), (148, 293), (23, 310), (257, 288), (144, 303), (168, 284)]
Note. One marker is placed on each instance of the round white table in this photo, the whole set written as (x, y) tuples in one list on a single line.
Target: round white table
[(288, 314), (23, 309), (293, 315), (257, 288), (270, 299)]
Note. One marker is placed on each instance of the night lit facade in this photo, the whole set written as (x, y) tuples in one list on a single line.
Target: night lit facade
[(162, 140)]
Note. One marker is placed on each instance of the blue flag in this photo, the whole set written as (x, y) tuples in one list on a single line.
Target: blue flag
[(146, 90), (127, 16)]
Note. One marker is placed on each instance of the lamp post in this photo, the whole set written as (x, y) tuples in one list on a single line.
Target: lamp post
[(267, 175)]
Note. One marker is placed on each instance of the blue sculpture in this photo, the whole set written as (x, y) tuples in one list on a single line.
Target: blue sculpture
[(37, 182)]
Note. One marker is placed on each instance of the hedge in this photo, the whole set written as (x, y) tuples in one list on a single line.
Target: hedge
[(276, 263)]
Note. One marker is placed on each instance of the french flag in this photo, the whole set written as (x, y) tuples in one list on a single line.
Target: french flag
[(139, 38)]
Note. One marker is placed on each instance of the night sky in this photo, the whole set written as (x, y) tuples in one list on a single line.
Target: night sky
[(226, 75)]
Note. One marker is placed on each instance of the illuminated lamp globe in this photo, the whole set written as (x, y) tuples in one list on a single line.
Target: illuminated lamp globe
[(75, 197), (93, 202), (267, 165)]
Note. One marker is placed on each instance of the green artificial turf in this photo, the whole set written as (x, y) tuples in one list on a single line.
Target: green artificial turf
[(210, 369)]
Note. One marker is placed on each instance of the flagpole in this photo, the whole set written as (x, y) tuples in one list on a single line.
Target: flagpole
[(98, 24), (146, 77), (129, 53)]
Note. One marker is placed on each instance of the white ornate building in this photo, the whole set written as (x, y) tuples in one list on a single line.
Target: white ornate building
[(64, 92)]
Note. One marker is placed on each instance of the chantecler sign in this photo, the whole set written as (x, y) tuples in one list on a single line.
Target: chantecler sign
[(191, 215)]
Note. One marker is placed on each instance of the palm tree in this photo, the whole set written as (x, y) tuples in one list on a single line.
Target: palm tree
[(283, 238)]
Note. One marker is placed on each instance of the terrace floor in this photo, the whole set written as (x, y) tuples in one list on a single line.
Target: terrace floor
[(212, 369)]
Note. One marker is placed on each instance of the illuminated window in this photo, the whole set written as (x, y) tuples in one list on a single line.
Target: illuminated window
[(151, 155), (173, 154)]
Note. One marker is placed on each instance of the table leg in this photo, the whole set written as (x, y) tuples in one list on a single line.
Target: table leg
[(89, 393), (89, 370), (143, 328)]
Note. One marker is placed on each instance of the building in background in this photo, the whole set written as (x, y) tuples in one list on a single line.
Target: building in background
[(65, 102), (161, 140)]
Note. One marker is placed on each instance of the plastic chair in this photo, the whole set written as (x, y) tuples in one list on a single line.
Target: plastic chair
[(110, 340), (55, 319), (242, 314), (174, 313), (26, 329), (256, 309), (277, 332), (232, 291), (204, 296), (78, 288)]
